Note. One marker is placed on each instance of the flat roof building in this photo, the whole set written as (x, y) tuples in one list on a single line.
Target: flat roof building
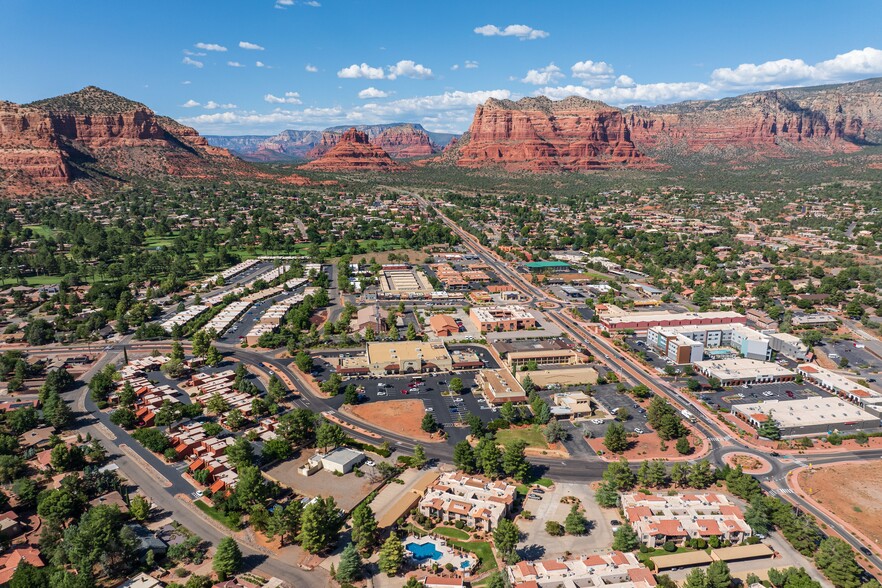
[(858, 394), (789, 346), (502, 318), (687, 344), (342, 460), (398, 357), (807, 416), (738, 371), (560, 375), (613, 569), (643, 321), (811, 320), (545, 357), (500, 386)]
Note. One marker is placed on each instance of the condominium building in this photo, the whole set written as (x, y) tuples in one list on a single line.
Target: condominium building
[(658, 519), (602, 570), (477, 501)]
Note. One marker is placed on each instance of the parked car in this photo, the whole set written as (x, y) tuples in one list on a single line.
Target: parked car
[(381, 394), (534, 496), (638, 430)]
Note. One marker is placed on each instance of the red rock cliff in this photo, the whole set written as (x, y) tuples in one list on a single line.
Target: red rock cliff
[(400, 141), (538, 134), (354, 151)]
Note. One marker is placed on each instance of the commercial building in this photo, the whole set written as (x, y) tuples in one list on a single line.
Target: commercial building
[(517, 359), (342, 460), (738, 371), (812, 320), (477, 501), (560, 375), (502, 318), (688, 344), (808, 416), (789, 346), (500, 386), (858, 394), (576, 404), (398, 357), (614, 569), (443, 325), (658, 519), (547, 266), (643, 321), (402, 281)]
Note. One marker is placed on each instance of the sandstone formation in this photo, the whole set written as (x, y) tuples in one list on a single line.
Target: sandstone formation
[(94, 132), (538, 134), (399, 140), (354, 151)]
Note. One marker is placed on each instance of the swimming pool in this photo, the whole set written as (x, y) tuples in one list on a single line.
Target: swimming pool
[(423, 551)]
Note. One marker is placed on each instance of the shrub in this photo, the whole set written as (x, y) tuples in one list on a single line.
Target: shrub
[(554, 529), (670, 546)]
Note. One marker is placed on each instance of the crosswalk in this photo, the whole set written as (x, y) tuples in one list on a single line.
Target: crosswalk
[(778, 491), (722, 439)]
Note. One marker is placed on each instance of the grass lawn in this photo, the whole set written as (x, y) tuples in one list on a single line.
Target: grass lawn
[(523, 489), (41, 230), (481, 549), (228, 521), (532, 435), (451, 532), (645, 557)]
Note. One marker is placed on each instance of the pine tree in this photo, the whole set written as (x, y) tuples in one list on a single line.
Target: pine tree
[(464, 457), (418, 460), (616, 439), (514, 460), (213, 357), (489, 457), (696, 579), (625, 539), (643, 473), (702, 476), (506, 537), (391, 555), (606, 495), (718, 575), (227, 558), (658, 473), (680, 473), (575, 523), (350, 566), (364, 526)]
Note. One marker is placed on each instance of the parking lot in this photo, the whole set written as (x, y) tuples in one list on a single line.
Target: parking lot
[(760, 393), (859, 358), (608, 397), (449, 411)]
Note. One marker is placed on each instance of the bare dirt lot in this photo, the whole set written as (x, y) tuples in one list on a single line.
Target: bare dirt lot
[(347, 490), (402, 416), (649, 446), (851, 491)]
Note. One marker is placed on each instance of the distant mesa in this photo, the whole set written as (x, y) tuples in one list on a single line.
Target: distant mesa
[(575, 134), (354, 151)]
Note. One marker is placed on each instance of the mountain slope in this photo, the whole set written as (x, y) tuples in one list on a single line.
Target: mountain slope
[(538, 134), (95, 134), (354, 152)]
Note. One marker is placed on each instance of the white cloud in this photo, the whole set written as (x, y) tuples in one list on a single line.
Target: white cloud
[(210, 47), (859, 62), (361, 71), (469, 64), (409, 69), (592, 73), (234, 64), (193, 62), (624, 81), (212, 105), (450, 111), (194, 53), (313, 3), (189, 104), (372, 92), (262, 64), (522, 32), (454, 67), (544, 75), (288, 98), (659, 93), (311, 68), (250, 46), (186, 82), (283, 4)]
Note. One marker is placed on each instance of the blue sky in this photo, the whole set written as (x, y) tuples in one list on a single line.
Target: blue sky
[(261, 66)]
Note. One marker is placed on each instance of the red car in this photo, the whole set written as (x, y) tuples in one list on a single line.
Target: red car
[(405, 392)]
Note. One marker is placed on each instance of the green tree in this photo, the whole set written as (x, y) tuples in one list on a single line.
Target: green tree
[(391, 555), (177, 351), (702, 475), (320, 525), (575, 523), (505, 537), (683, 446), (464, 457), (139, 507), (330, 435), (303, 361), (489, 457), (696, 579), (758, 516), (227, 558), (555, 432), (625, 539), (201, 343), (514, 460), (350, 395), (718, 575), (769, 429), (606, 496), (350, 567), (217, 405), (26, 491), (418, 459), (619, 475), (455, 385), (213, 357), (29, 576), (365, 530), (615, 439), (241, 453), (429, 424), (835, 559)]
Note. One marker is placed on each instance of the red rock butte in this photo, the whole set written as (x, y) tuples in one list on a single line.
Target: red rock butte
[(354, 151)]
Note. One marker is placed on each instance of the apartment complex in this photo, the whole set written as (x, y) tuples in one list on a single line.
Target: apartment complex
[(502, 318), (658, 519), (688, 344), (477, 501), (603, 570)]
